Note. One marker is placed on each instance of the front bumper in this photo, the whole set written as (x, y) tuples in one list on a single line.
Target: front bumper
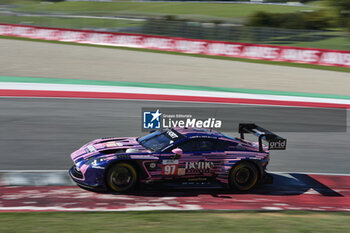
[(75, 174), (77, 177)]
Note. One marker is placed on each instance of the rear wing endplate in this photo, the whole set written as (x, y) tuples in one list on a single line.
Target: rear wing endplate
[(275, 142)]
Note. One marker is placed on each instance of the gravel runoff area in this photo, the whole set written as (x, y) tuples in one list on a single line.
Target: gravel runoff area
[(39, 59)]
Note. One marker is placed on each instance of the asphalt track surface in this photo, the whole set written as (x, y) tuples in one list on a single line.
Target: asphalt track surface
[(38, 59), (39, 133)]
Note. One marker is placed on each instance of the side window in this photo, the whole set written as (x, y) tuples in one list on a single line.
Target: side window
[(226, 146), (206, 145), (198, 144), (188, 146)]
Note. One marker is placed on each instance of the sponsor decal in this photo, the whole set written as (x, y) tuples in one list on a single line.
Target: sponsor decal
[(126, 40), (224, 49), (151, 166), (170, 161), (154, 42), (199, 167), (113, 144), (181, 171), (300, 55), (278, 145), (172, 134), (190, 46), (335, 58), (261, 52), (91, 148)]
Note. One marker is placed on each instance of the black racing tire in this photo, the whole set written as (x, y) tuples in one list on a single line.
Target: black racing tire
[(121, 177), (243, 176)]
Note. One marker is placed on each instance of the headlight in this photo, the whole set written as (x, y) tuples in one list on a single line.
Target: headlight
[(94, 161)]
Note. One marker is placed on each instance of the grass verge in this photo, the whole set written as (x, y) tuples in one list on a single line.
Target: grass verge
[(174, 221), (76, 23), (146, 8), (309, 66)]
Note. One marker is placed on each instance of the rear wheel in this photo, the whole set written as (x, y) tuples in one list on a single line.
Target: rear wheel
[(243, 176), (122, 177)]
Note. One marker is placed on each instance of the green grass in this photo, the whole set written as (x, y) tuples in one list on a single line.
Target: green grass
[(211, 221), (339, 43), (75, 23), (320, 3), (327, 40), (309, 66), (165, 8)]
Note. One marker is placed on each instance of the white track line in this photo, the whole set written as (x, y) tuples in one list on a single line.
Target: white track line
[(144, 100), (161, 91)]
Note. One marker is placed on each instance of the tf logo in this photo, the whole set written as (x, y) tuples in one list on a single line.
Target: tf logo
[(152, 120)]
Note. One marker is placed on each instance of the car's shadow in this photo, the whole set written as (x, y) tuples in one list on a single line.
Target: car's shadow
[(284, 184)]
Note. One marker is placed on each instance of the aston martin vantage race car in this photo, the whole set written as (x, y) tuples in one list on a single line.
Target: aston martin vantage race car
[(176, 155)]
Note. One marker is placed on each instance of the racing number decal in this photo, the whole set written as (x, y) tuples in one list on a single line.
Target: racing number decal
[(169, 170), (170, 167)]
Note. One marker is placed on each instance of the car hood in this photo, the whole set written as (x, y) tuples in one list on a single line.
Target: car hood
[(105, 146)]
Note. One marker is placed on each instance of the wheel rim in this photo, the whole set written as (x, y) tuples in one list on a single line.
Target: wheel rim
[(122, 177), (243, 176)]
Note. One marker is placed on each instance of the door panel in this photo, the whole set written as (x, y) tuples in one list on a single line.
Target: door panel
[(192, 163)]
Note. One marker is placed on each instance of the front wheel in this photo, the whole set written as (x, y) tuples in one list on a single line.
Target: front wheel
[(243, 176), (122, 177)]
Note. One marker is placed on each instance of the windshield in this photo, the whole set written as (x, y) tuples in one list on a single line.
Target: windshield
[(159, 139)]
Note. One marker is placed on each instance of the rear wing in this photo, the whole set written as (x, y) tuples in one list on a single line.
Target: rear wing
[(275, 142)]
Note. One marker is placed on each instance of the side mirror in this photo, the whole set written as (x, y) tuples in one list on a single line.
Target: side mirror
[(178, 153)]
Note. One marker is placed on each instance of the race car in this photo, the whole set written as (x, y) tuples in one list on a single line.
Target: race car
[(176, 155)]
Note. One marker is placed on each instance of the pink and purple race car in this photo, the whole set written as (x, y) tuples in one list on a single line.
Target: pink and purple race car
[(176, 155)]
